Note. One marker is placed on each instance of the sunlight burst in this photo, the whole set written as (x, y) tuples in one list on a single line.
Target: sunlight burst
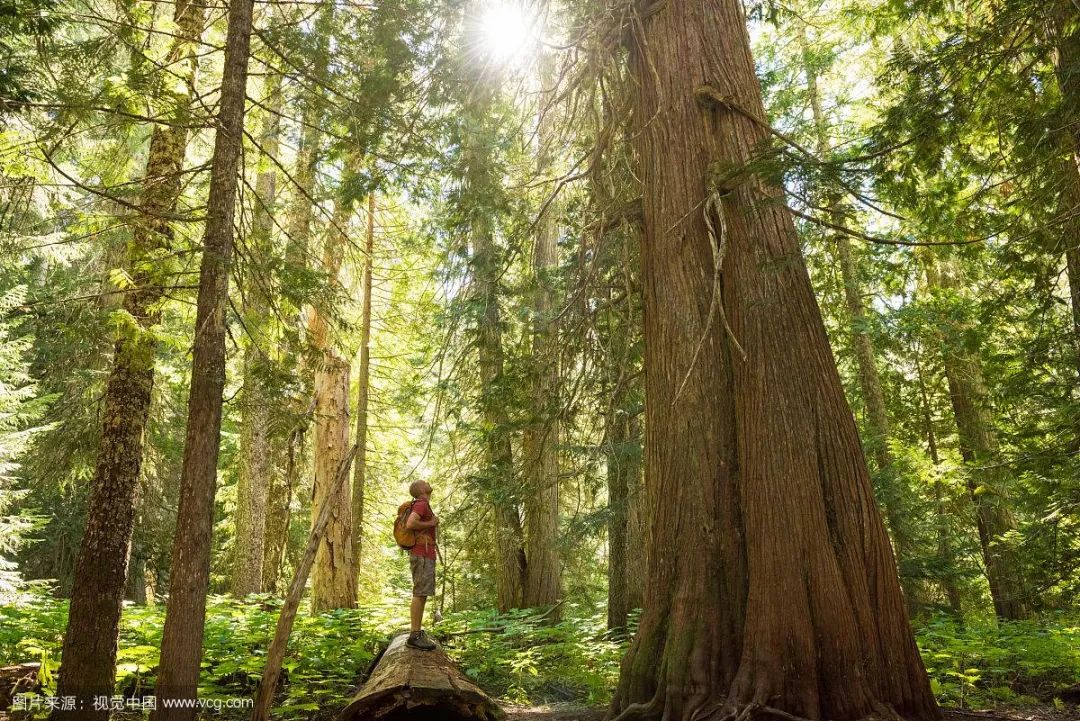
[(507, 32)]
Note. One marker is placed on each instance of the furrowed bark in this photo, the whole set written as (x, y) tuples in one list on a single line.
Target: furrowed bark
[(789, 599), (182, 638), (88, 658), (334, 577)]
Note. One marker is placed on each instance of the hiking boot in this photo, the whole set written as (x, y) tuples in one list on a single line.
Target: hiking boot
[(420, 640)]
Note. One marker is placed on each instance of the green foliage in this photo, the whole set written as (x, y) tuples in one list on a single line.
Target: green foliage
[(978, 664), (523, 658), (520, 657), (516, 656)]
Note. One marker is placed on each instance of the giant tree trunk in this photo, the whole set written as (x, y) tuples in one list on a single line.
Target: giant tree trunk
[(979, 449), (182, 638), (541, 441), (771, 583), (253, 488), (363, 389), (302, 208), (88, 659)]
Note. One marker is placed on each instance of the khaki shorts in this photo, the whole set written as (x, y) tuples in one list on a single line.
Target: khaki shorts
[(423, 575)]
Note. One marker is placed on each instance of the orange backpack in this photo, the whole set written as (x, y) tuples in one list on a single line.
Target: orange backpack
[(405, 537)]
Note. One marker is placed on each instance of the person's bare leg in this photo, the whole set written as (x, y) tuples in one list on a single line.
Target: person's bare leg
[(416, 613)]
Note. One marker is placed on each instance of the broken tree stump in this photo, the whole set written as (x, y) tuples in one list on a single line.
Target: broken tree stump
[(409, 684)]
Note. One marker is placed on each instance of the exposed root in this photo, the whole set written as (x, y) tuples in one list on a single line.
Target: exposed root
[(750, 711), (637, 712)]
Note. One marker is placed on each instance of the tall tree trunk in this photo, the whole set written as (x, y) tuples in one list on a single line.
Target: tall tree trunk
[(298, 229), (979, 449), (88, 658), (873, 397), (625, 548), (334, 575), (636, 517), (622, 435), (945, 551), (541, 440), (771, 583), (1065, 30), (279, 508), (253, 488), (363, 388), (136, 577), (333, 582), (302, 208), (182, 638), (486, 269), (509, 544)]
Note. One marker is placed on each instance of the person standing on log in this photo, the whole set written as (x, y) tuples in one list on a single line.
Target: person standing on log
[(421, 561)]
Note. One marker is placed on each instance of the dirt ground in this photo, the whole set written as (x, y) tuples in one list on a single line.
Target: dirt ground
[(577, 713)]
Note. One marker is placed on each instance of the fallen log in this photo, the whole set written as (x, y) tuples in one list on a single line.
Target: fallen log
[(412, 685), (20, 678)]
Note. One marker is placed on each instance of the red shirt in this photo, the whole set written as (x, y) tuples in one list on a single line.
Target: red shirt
[(427, 550)]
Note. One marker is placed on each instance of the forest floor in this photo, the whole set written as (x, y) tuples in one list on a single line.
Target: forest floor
[(554, 712), (568, 712)]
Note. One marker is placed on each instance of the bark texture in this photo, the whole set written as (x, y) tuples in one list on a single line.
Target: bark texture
[(275, 654), (182, 638), (334, 578), (333, 581), (411, 685), (278, 513), (88, 659), (509, 542), (790, 598)]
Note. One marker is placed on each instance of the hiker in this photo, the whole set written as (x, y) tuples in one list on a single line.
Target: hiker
[(421, 561)]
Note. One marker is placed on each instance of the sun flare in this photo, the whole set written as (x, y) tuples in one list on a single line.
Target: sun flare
[(507, 32)]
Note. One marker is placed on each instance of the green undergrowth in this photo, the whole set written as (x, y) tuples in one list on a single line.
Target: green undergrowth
[(518, 657), (521, 657), (984, 664)]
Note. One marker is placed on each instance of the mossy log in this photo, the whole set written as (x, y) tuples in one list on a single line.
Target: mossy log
[(417, 685)]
